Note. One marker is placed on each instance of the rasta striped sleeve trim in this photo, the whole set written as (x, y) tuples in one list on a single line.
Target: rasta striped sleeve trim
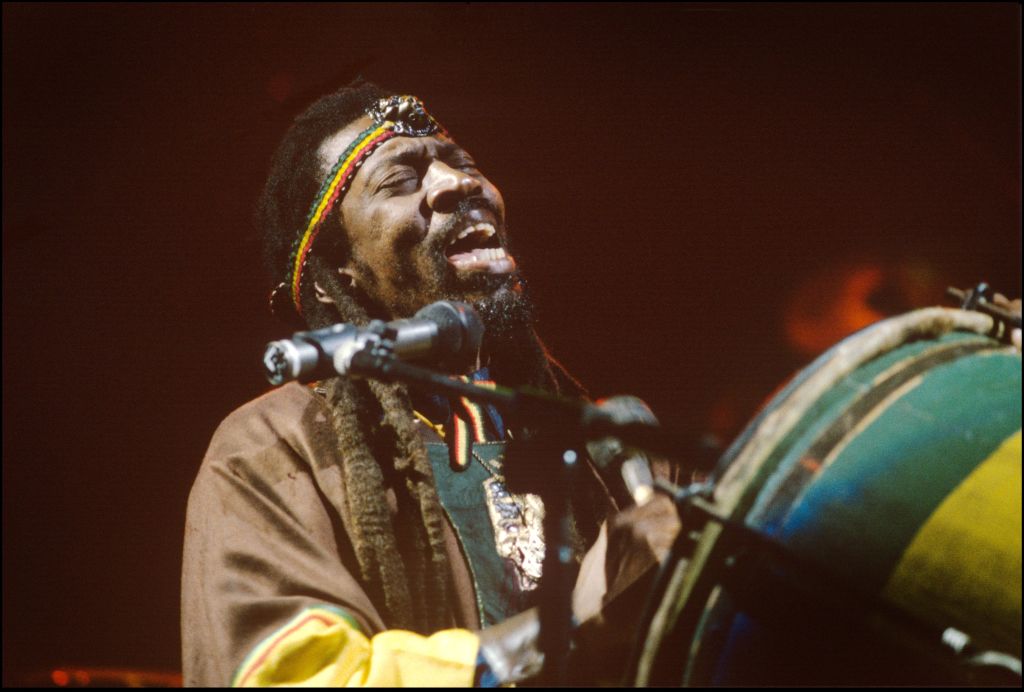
[(324, 647), (315, 618)]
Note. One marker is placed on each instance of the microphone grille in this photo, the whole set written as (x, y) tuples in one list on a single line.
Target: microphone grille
[(459, 333)]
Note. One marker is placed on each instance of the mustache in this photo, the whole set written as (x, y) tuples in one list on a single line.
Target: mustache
[(462, 210)]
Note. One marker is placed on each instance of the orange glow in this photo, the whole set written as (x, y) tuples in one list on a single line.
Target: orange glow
[(72, 676), (836, 301), (830, 306)]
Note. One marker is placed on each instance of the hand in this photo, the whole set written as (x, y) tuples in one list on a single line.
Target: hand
[(510, 647), (639, 537), (615, 581), (1013, 306), (636, 540)]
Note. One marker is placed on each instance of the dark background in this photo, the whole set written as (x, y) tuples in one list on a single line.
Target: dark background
[(674, 175)]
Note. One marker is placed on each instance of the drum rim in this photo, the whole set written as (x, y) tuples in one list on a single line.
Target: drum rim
[(788, 408)]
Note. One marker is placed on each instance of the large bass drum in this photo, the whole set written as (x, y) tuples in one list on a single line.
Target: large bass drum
[(865, 529)]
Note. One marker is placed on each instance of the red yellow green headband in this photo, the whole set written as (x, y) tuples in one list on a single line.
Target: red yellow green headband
[(394, 116)]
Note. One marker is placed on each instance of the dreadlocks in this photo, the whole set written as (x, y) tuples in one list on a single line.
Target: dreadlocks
[(374, 422)]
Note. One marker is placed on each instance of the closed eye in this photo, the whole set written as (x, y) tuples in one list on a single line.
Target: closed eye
[(467, 165), (397, 180), (399, 177)]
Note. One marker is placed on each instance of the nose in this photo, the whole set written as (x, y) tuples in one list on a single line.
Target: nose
[(448, 186)]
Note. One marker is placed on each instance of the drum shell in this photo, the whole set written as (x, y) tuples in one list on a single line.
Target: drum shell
[(886, 511)]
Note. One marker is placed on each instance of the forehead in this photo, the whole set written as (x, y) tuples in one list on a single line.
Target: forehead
[(333, 147)]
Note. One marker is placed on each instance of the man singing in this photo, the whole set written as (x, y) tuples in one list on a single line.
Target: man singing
[(354, 532)]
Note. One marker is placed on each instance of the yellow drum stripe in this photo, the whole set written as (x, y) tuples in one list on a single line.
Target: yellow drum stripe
[(963, 567)]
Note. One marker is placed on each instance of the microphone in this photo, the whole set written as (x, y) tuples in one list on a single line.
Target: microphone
[(447, 333), (609, 452)]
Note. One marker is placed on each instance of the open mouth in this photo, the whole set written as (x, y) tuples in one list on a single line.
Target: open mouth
[(478, 248)]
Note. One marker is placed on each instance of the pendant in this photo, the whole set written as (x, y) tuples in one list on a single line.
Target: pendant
[(518, 522)]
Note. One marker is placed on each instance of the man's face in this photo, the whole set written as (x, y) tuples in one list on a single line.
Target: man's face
[(423, 224)]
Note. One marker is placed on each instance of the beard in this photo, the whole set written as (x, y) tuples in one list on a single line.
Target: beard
[(503, 305), (506, 310), (510, 347), (423, 275), (501, 300)]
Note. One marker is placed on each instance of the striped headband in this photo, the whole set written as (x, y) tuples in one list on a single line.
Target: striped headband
[(394, 116)]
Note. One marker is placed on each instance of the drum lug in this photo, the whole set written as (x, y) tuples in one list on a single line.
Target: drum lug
[(978, 299), (975, 296), (990, 666)]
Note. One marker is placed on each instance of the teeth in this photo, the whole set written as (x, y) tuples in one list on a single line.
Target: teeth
[(480, 227), (490, 254)]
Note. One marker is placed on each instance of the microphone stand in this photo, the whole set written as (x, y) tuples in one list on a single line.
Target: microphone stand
[(556, 621), (565, 421), (529, 405)]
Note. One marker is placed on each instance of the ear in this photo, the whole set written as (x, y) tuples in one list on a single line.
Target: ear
[(348, 276), (321, 294)]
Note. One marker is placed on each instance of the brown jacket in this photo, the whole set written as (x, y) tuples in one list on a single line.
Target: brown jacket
[(267, 536)]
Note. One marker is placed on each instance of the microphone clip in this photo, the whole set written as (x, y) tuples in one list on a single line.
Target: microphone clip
[(370, 355)]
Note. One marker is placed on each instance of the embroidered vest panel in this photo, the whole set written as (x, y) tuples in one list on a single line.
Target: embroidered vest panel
[(501, 534)]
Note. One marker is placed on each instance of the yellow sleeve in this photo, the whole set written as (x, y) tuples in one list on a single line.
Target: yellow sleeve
[(324, 647)]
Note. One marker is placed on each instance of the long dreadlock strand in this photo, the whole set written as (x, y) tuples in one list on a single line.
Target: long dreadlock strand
[(375, 454), (408, 556), (373, 538), (353, 407), (413, 462)]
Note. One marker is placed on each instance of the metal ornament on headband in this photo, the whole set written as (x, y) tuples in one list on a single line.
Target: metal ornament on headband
[(393, 116), (406, 114)]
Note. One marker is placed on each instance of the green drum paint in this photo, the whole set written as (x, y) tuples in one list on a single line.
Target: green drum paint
[(866, 507), (832, 404), (782, 491)]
